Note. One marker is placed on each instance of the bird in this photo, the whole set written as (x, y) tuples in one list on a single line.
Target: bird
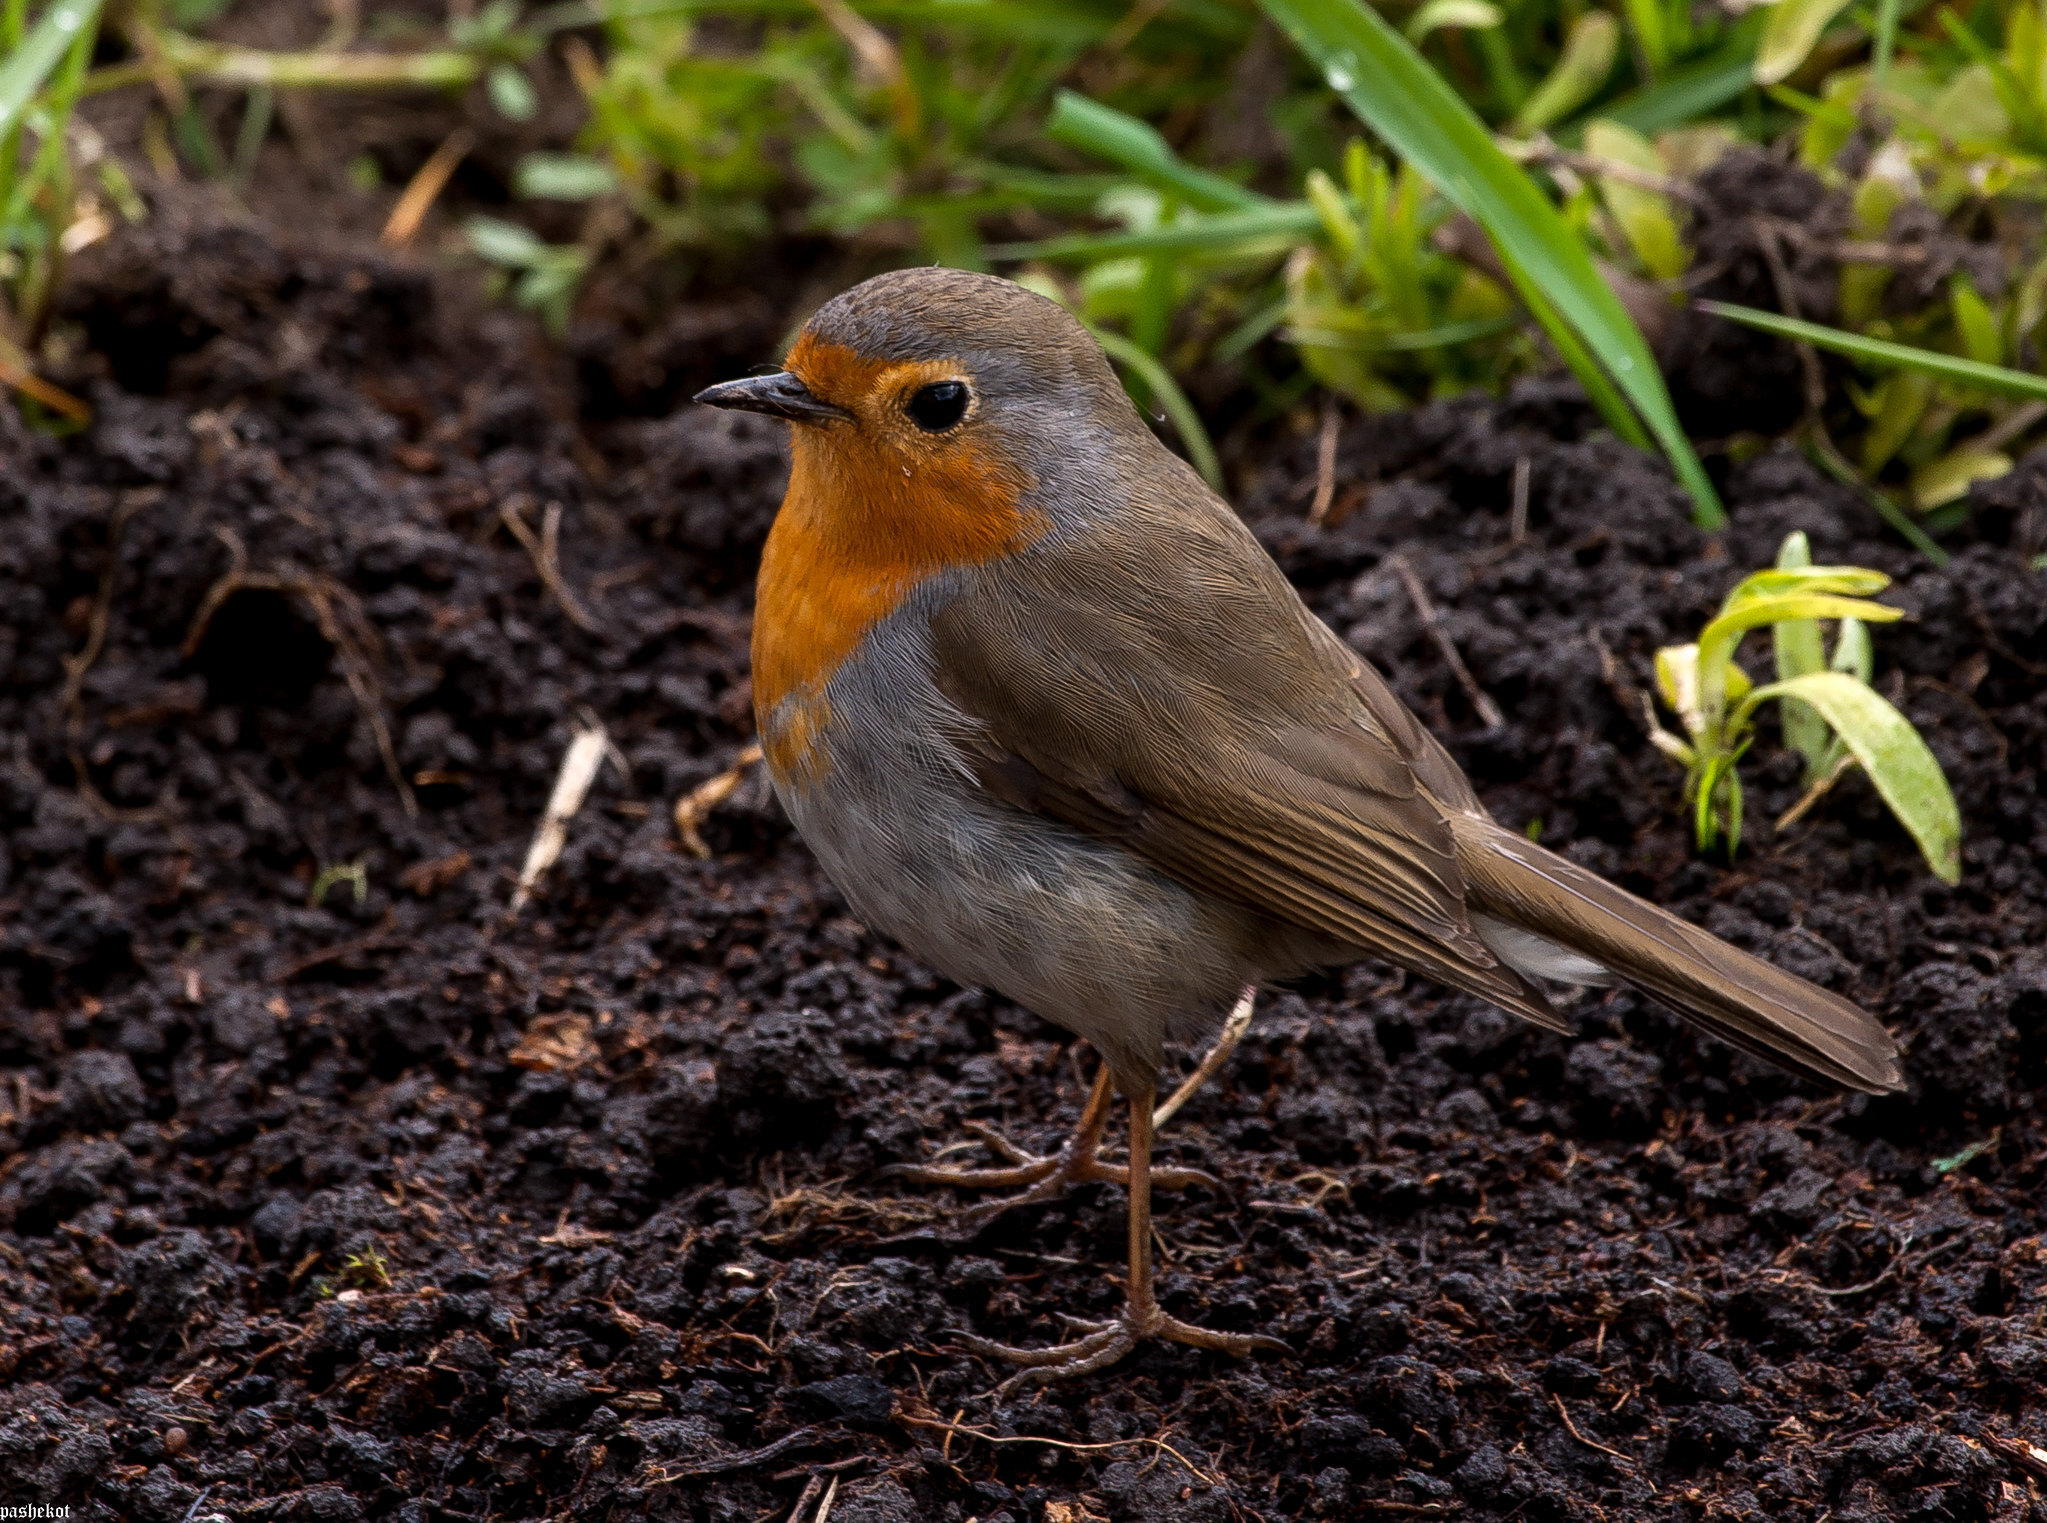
[(1050, 717)]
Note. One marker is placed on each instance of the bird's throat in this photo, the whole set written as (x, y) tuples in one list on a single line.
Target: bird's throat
[(859, 530)]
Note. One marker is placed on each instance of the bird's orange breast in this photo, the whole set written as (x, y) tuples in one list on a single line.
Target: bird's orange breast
[(870, 514)]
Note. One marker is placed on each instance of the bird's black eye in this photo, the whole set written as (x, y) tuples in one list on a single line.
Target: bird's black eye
[(938, 406)]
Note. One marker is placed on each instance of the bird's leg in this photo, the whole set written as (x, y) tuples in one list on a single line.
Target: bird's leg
[(1107, 1342), (1044, 1177)]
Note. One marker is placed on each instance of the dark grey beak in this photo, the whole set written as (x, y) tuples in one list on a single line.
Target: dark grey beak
[(780, 395)]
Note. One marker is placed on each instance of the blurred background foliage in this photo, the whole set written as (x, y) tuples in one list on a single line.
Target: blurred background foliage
[(1187, 180)]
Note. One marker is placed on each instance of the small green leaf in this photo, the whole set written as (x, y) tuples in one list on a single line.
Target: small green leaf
[(1975, 322), (1137, 146), (1644, 215), (1887, 12), (1893, 755), (1949, 478), (504, 243), (1969, 1154), (1221, 235), (562, 177), (1346, 238), (1646, 19), (511, 92), (1591, 49), (1791, 34), (1719, 638), (1906, 396), (1781, 581)]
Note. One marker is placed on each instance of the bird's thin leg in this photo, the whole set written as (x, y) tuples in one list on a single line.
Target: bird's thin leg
[(1107, 1342), (1234, 1027), (1044, 1177)]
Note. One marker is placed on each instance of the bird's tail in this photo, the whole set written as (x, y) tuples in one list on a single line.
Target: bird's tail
[(1740, 999)]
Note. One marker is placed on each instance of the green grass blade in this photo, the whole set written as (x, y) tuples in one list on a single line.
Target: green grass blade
[(1887, 15), (1599, 387), (23, 74), (1893, 754), (1998, 379), (1441, 337), (1224, 233), (1185, 420), (1692, 90), (1395, 92), (1107, 133)]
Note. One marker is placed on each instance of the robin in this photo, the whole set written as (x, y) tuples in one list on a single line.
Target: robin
[(1051, 717)]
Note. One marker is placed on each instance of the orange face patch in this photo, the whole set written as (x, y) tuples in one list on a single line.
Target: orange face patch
[(875, 506)]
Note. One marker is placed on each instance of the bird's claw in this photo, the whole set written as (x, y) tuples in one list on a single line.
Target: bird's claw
[(1044, 1177), (1104, 1343)]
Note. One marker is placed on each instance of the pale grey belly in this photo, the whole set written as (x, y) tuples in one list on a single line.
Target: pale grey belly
[(1082, 933)]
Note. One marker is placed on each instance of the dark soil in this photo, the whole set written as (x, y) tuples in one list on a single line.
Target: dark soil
[(394, 1205)]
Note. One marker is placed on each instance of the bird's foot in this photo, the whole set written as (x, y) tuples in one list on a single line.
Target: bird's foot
[(1042, 1176), (1103, 1343)]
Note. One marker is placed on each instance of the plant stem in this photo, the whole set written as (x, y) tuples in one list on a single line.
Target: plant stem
[(219, 64)]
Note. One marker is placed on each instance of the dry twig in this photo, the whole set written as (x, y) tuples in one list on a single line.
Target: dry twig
[(2024, 1453), (342, 624), (695, 806), (1157, 1445), (1234, 1027), (545, 551), (17, 370), (1766, 232), (811, 1488), (72, 703), (1815, 793), (726, 1464), (579, 766), (1481, 700), (1325, 463), (1589, 1443), (426, 187)]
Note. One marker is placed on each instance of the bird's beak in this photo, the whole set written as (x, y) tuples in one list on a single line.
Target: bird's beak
[(781, 395)]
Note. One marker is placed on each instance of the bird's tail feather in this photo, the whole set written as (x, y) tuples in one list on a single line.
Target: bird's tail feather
[(1740, 999)]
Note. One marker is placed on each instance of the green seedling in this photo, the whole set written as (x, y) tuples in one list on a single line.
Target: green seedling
[(1376, 312), (356, 874), (1717, 704), (367, 1270)]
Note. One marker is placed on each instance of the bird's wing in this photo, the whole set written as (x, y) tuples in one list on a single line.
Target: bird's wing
[(1197, 714)]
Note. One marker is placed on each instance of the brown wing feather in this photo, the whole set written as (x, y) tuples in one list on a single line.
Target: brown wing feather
[(1247, 766)]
